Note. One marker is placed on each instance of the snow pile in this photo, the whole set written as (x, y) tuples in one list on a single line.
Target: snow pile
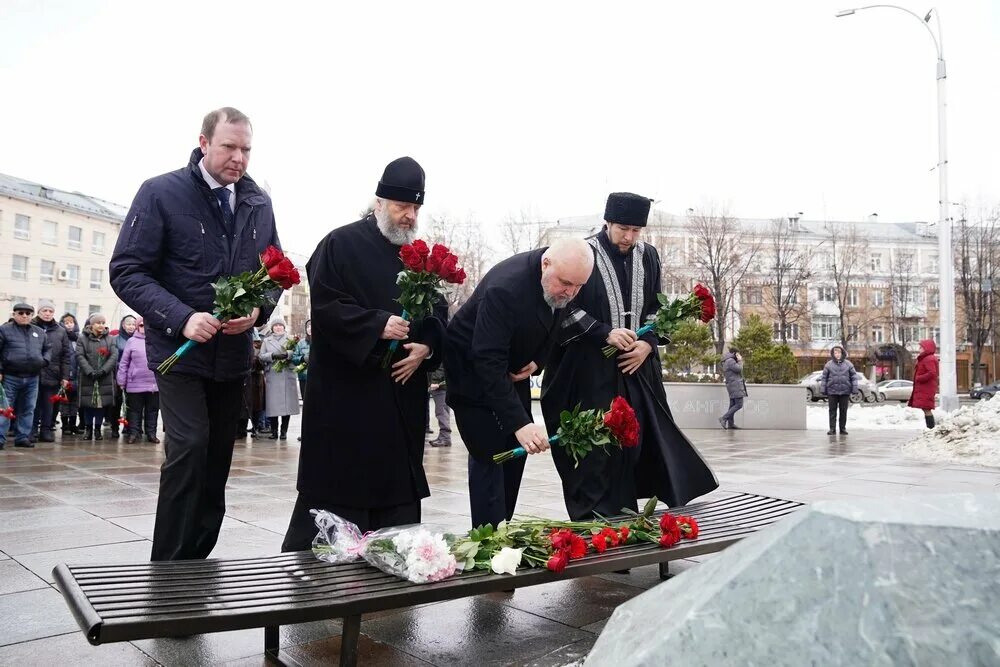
[(969, 436), (874, 417)]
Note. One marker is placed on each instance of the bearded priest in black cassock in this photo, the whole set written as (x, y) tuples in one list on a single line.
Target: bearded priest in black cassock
[(617, 300), (363, 425)]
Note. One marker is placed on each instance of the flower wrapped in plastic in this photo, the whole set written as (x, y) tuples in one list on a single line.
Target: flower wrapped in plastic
[(414, 552)]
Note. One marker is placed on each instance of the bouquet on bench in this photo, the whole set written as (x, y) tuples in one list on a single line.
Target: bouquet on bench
[(413, 553)]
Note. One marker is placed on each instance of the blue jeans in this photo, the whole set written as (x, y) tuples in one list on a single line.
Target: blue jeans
[(22, 393)]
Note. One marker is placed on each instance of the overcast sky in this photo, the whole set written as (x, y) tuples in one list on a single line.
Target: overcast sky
[(766, 107)]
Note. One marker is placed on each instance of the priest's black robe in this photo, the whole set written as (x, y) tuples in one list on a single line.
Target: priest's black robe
[(362, 433), (665, 463)]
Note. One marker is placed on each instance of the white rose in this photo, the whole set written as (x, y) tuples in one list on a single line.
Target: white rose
[(506, 561)]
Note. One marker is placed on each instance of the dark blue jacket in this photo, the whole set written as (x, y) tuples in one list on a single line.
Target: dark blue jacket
[(24, 351), (172, 246)]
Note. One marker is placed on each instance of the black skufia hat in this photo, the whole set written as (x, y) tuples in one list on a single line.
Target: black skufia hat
[(402, 180), (626, 208)]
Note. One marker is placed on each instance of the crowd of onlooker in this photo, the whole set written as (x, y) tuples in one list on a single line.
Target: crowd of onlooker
[(87, 379)]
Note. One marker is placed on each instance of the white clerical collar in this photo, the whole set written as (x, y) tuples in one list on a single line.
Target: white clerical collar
[(212, 183)]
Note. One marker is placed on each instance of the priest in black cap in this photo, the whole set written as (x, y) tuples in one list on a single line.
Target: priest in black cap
[(363, 425), (617, 300)]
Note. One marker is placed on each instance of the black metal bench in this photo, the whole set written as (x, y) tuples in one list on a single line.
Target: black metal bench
[(114, 603)]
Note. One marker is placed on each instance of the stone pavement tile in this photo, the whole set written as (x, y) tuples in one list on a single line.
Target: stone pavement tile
[(17, 490), (276, 525), (565, 655), (220, 647), (266, 508), (73, 649), (140, 524), (14, 578), (43, 562), (242, 540), (26, 476), (574, 602), (26, 502), (145, 504), (7, 481), (32, 615), (984, 476), (648, 576), (80, 534), (84, 497), (41, 518), (471, 631), (447, 501), (283, 491), (140, 478), (327, 652)]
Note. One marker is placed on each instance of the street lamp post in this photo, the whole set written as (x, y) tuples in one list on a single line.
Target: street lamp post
[(946, 262)]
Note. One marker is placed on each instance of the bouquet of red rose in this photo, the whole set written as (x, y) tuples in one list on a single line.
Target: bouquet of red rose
[(582, 431), (6, 409), (422, 282), (699, 305), (237, 296)]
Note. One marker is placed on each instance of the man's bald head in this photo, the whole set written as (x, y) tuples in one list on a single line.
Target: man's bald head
[(566, 267)]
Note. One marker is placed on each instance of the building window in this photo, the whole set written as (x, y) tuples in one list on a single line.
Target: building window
[(72, 275), (878, 335), (19, 268), (96, 278), (827, 294), (852, 332), (752, 296), (935, 333), (22, 227), (824, 261), (47, 271), (933, 299), (791, 332), (824, 329), (71, 308), (932, 264), (878, 298), (793, 296), (50, 232), (674, 286), (97, 245), (876, 262), (852, 297), (93, 308), (75, 238)]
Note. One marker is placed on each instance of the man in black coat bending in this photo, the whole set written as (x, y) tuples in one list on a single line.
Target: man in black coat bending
[(496, 341), (362, 424)]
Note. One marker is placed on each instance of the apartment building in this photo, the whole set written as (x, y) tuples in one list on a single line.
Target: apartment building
[(56, 245), (882, 276)]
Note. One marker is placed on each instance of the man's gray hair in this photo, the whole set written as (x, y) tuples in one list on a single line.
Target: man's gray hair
[(570, 251)]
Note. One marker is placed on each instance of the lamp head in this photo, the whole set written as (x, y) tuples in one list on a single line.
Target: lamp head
[(845, 12)]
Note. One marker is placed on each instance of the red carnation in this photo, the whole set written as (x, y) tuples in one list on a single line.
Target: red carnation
[(689, 527), (668, 522), (577, 547), (411, 258), (438, 253), (623, 531), (271, 257), (557, 562), (612, 536), (600, 542), (668, 540)]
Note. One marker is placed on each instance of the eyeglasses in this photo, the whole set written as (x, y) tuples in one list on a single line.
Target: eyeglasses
[(22, 312)]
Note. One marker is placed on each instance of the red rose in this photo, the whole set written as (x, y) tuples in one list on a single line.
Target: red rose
[(411, 258), (102, 352), (448, 266), (271, 257), (421, 248), (708, 309), (458, 277), (438, 253), (113, 332), (284, 273), (557, 562), (702, 292)]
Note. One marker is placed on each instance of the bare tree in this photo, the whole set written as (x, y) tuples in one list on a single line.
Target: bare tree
[(465, 239), (522, 232), (978, 264), (903, 284), (722, 252), (848, 252), (788, 270)]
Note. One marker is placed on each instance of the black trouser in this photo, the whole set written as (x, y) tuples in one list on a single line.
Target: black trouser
[(113, 410), (493, 489), (198, 418), (273, 422), (44, 410), (735, 405), (841, 403), (302, 526), (142, 409)]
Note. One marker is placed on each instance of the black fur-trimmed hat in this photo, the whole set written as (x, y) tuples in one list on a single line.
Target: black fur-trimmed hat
[(626, 208), (402, 180)]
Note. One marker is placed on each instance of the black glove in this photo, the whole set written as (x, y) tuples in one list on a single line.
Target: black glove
[(99, 374), (279, 355)]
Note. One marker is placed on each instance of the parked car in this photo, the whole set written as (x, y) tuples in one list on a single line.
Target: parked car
[(866, 389), (895, 390), (987, 392)]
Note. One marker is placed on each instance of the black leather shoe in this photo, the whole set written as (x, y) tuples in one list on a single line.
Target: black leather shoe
[(26, 445), (831, 432)]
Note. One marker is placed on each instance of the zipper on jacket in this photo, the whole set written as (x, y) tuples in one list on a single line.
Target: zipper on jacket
[(202, 227), (134, 218)]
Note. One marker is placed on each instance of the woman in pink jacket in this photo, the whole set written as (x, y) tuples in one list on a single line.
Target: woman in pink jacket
[(142, 398)]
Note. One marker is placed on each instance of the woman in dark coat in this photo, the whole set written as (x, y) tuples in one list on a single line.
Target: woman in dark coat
[(97, 354), (114, 410), (68, 411), (925, 381)]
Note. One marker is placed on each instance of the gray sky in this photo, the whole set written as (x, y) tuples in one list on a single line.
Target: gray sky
[(767, 107)]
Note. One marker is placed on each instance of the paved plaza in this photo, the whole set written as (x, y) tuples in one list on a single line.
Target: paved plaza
[(84, 502)]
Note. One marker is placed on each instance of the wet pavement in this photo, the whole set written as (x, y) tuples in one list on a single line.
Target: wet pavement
[(85, 502)]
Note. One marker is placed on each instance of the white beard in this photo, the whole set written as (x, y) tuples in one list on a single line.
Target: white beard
[(391, 232)]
